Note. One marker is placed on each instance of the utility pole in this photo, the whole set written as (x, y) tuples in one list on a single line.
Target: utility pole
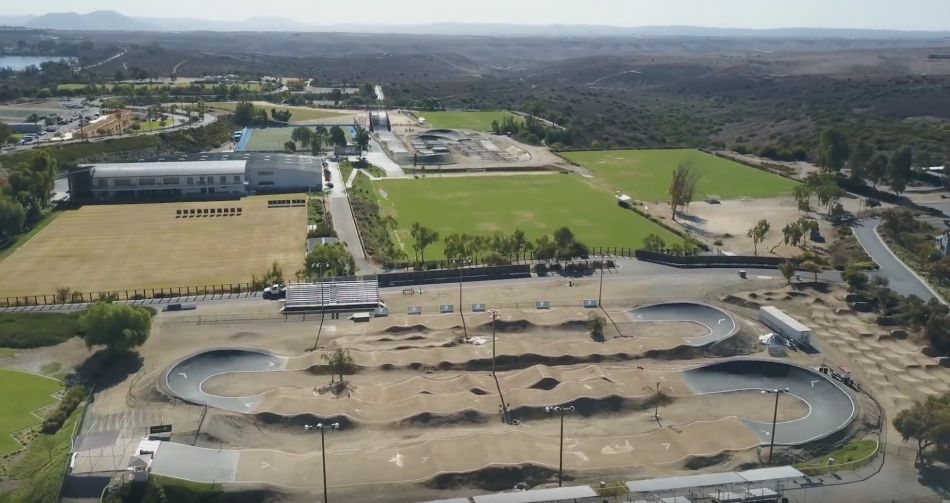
[(494, 316), (323, 452), (323, 307), (600, 292), (776, 392), (560, 465)]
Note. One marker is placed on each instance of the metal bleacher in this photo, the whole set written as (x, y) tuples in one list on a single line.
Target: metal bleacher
[(333, 295)]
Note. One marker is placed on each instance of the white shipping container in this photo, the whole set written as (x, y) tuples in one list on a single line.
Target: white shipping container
[(784, 325)]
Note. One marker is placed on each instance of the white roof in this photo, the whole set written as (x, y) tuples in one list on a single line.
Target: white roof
[(538, 495), (133, 169), (673, 483), (785, 318), (773, 473)]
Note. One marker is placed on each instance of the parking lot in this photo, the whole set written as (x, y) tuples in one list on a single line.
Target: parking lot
[(58, 117)]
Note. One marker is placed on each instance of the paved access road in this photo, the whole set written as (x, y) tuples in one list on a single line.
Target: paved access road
[(338, 205), (902, 279)]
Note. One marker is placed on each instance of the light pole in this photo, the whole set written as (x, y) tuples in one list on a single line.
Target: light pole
[(600, 292), (458, 264), (656, 409), (494, 316), (320, 266), (323, 451), (777, 392), (560, 464)]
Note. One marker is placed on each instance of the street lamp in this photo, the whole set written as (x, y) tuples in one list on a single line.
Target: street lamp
[(323, 451), (494, 316), (458, 263), (560, 466), (777, 392), (320, 266)]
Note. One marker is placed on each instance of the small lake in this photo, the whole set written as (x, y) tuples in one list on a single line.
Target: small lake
[(21, 62)]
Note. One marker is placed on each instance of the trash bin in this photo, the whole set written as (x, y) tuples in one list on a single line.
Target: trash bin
[(742, 273)]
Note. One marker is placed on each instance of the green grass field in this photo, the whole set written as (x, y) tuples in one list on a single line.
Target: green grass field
[(536, 204), (270, 139), (296, 113), (478, 121), (21, 394), (645, 174)]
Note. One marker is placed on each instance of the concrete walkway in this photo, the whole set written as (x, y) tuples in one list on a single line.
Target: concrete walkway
[(377, 156), (339, 206)]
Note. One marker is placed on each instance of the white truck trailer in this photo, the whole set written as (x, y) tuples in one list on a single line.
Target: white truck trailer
[(784, 325)]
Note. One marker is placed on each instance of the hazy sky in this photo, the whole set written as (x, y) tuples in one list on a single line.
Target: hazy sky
[(892, 14)]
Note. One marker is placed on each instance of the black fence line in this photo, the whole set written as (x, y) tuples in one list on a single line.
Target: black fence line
[(129, 295)]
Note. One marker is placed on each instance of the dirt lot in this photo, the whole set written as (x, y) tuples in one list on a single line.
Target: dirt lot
[(119, 247)]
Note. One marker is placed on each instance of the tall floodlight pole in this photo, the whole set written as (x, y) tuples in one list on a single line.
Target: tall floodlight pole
[(320, 266), (776, 392), (560, 464), (494, 316), (323, 452), (600, 292)]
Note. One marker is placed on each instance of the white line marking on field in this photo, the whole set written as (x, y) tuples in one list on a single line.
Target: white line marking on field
[(183, 375), (639, 316), (813, 382), (763, 277), (720, 321), (271, 364), (767, 434), (265, 465), (666, 445)]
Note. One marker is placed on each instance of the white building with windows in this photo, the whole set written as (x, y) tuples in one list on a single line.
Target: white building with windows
[(171, 179), (198, 176)]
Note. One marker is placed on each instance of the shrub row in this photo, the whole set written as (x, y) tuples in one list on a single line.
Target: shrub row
[(56, 417)]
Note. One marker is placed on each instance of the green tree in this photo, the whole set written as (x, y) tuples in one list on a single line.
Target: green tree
[(422, 237), (12, 216), (833, 150), (337, 136), (860, 160), (758, 233), (544, 248), (302, 135), (244, 114), (927, 423), (682, 187), (290, 146), (788, 271), (899, 170), (4, 133), (812, 267), (596, 324), (802, 194), (336, 256), (877, 170), (362, 139), (118, 327), (339, 362), (654, 243)]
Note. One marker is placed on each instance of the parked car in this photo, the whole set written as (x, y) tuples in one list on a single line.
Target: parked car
[(274, 292)]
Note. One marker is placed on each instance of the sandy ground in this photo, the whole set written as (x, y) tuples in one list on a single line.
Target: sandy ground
[(734, 218), (408, 417)]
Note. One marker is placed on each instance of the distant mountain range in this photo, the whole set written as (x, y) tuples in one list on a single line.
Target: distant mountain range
[(113, 21)]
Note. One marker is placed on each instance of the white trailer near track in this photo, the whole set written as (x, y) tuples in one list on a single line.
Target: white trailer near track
[(784, 325)]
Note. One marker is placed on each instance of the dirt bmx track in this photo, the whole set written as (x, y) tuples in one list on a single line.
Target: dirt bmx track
[(720, 404)]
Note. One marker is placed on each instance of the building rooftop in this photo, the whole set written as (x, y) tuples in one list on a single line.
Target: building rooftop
[(164, 168)]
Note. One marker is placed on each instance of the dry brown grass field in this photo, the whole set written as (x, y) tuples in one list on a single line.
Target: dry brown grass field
[(135, 246)]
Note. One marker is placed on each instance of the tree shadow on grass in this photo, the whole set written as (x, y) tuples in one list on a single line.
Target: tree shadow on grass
[(104, 369)]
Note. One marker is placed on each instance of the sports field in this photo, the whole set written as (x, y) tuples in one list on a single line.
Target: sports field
[(536, 204), (478, 121), (645, 174), (297, 114), (22, 393), (125, 247)]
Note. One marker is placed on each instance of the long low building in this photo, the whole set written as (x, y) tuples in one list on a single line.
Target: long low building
[(197, 176)]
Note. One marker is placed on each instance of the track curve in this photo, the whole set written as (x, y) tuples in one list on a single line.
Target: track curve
[(721, 324), (831, 407)]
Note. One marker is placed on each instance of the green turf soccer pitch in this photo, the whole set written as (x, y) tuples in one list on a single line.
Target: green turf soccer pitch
[(645, 174), (536, 204), (22, 393), (269, 139), (477, 121)]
